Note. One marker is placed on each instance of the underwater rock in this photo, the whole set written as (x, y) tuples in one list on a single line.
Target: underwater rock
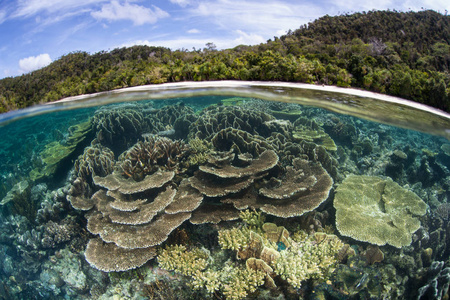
[(376, 210)]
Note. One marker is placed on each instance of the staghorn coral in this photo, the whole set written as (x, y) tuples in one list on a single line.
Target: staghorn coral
[(305, 257), (176, 258), (233, 282), (151, 154), (314, 257), (377, 210)]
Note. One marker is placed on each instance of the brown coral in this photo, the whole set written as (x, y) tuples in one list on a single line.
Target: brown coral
[(129, 186), (110, 258), (301, 189), (95, 160), (151, 154), (227, 178), (215, 118)]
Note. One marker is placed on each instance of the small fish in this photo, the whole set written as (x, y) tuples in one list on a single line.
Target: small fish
[(362, 282), (169, 132)]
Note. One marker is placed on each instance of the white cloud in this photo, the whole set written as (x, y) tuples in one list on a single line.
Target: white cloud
[(34, 62), (2, 16), (182, 3), (248, 39), (140, 15), (28, 8), (193, 31), (257, 16)]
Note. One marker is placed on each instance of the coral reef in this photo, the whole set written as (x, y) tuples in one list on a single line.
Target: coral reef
[(232, 281), (377, 211), (438, 281), (118, 126), (301, 188), (129, 217), (215, 118), (310, 131), (96, 160), (271, 248), (151, 154)]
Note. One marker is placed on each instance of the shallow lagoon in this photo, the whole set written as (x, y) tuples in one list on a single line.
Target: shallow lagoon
[(225, 190)]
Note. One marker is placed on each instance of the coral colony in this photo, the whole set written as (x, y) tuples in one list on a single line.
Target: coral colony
[(244, 199)]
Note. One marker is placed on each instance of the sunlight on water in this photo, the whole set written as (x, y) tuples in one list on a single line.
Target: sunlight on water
[(225, 190)]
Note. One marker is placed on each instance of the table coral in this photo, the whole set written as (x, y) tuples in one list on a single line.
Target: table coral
[(377, 210)]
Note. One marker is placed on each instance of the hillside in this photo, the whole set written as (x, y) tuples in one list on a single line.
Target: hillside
[(397, 53)]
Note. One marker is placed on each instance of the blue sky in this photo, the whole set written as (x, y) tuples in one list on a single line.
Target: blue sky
[(33, 33)]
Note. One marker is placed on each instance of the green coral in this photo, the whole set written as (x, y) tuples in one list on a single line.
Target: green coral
[(233, 101), (314, 257), (252, 218), (176, 258), (233, 282), (241, 282), (304, 257), (200, 150), (55, 153), (235, 238), (377, 210)]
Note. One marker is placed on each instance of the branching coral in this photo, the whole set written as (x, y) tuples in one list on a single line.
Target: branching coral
[(307, 257), (176, 258), (233, 282)]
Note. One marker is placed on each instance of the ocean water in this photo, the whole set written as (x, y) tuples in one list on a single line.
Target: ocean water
[(225, 190)]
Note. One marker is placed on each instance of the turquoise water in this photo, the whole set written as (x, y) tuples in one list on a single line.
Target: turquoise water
[(223, 192)]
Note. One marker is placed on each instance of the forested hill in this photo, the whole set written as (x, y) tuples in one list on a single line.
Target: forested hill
[(397, 53)]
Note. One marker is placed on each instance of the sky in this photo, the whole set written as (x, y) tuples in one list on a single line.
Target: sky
[(33, 33)]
